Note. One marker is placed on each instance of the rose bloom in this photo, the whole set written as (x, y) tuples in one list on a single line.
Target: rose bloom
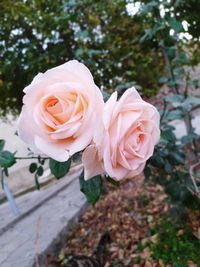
[(129, 132), (61, 110)]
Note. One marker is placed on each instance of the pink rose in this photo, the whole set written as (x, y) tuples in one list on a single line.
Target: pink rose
[(129, 132), (61, 110)]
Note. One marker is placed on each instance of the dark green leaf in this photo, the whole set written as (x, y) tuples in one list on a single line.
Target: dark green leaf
[(2, 143), (176, 25), (40, 171), (183, 58), (157, 161), (168, 135), (91, 188), (59, 169), (180, 157), (168, 167), (33, 167), (174, 191), (171, 52), (7, 159)]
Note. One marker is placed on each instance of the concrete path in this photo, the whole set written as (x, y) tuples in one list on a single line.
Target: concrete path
[(45, 218)]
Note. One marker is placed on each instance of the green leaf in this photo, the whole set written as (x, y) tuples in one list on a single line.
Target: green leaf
[(188, 138), (171, 52), (176, 25), (40, 171), (157, 161), (174, 115), (7, 159), (59, 169), (179, 157), (168, 167), (190, 102), (91, 188), (175, 98), (168, 135), (183, 58), (33, 167), (2, 144), (193, 100)]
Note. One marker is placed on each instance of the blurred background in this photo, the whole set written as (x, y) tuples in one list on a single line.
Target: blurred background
[(119, 43)]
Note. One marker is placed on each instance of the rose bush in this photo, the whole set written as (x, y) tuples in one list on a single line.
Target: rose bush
[(61, 109), (127, 136)]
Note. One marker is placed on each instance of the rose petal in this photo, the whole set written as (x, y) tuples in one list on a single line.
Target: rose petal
[(53, 150), (108, 110), (91, 162), (25, 129)]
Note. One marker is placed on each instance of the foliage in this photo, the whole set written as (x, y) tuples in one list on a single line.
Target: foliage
[(38, 35), (169, 166), (59, 169), (7, 159), (176, 244), (91, 188)]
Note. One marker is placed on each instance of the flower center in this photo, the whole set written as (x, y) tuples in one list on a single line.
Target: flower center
[(52, 103), (53, 106)]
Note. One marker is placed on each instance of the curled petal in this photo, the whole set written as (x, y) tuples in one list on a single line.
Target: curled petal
[(91, 162)]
